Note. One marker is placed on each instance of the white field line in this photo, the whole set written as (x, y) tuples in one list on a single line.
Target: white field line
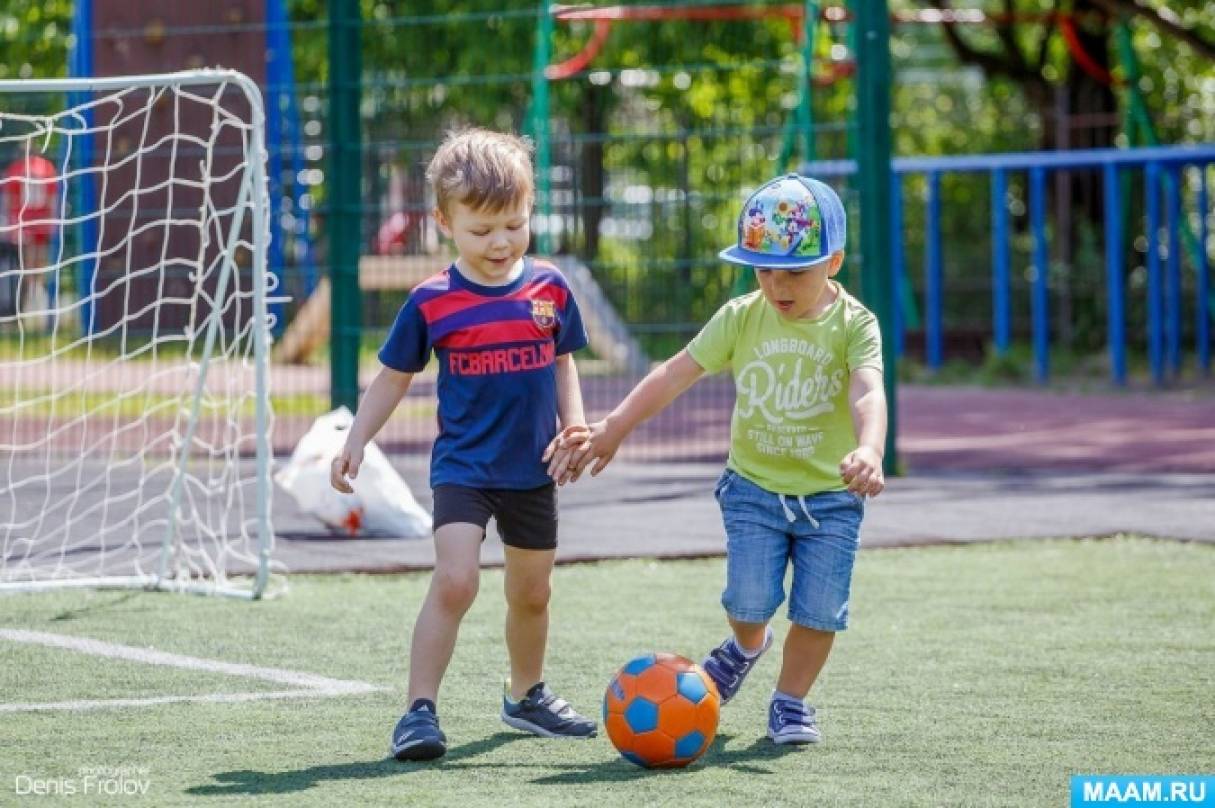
[(309, 685)]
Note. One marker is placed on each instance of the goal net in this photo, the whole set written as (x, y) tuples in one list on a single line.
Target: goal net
[(134, 412)]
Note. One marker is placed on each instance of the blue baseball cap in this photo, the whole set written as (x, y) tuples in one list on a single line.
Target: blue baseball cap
[(791, 222)]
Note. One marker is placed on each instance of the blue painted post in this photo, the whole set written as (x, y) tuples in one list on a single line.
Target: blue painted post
[(305, 258), (1114, 272), (1172, 278), (82, 65), (1203, 331), (1155, 337), (1039, 300), (277, 54), (897, 261), (933, 274), (1000, 302)]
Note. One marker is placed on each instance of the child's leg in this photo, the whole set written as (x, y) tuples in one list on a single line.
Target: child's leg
[(527, 594), (527, 522), (453, 587), (823, 555), (806, 651), (824, 548), (757, 554), (749, 636)]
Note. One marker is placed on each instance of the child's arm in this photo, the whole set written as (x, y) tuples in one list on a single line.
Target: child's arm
[(663, 385), (378, 403), (569, 393), (862, 467)]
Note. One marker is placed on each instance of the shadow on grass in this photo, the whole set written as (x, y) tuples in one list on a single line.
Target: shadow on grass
[(741, 760), (123, 601), (245, 781)]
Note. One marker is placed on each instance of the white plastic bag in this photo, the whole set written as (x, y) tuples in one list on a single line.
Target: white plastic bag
[(381, 505)]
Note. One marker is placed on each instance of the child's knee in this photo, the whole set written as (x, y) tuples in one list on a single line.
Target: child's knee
[(531, 597), (455, 590), (751, 601), (825, 611)]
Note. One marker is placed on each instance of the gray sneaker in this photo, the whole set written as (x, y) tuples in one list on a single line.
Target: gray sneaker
[(792, 722), (542, 713)]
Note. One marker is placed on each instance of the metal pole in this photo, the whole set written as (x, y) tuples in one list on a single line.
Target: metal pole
[(82, 66), (933, 275), (343, 181), (1205, 306), (805, 108), (1155, 302), (1114, 275), (874, 179), (1172, 277), (544, 219), (278, 67), (898, 264), (1039, 295), (1001, 283)]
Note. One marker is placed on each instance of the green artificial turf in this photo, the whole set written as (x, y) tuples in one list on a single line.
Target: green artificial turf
[(973, 675)]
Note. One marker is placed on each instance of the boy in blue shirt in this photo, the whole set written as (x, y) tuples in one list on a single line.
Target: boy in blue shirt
[(503, 327), (806, 440)]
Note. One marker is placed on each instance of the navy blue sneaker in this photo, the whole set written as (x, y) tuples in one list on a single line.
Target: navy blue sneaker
[(417, 736), (727, 666), (542, 713), (792, 721)]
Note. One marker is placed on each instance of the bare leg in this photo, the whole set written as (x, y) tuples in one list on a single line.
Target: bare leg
[(806, 651), (527, 593), (749, 636), (453, 587)]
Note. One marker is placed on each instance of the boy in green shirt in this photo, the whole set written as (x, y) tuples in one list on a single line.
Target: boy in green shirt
[(806, 439)]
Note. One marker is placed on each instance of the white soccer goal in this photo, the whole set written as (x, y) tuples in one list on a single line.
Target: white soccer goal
[(134, 409)]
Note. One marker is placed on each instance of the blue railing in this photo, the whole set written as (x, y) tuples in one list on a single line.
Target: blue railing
[(1164, 284)]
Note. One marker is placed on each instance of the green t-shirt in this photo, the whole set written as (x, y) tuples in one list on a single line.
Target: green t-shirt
[(792, 424)]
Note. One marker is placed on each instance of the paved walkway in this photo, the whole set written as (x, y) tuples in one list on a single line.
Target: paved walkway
[(668, 511), (983, 465), (980, 429)]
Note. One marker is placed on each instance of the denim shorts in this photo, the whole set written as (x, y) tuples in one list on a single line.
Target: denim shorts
[(765, 532)]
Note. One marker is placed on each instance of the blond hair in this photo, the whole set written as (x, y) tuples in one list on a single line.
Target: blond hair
[(485, 170)]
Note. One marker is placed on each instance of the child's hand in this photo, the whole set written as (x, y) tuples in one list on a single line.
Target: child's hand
[(600, 448), (862, 471), (561, 449), (346, 464)]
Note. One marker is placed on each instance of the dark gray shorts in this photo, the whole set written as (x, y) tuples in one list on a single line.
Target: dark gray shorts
[(526, 519)]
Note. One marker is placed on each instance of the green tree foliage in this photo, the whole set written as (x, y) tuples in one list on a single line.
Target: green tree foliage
[(655, 144), (34, 38)]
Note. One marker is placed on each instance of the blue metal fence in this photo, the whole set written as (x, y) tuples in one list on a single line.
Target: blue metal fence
[(1162, 169)]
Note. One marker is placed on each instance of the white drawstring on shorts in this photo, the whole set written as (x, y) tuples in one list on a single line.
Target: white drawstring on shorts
[(792, 517)]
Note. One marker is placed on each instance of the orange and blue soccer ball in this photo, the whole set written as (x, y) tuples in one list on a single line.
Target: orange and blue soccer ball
[(661, 711)]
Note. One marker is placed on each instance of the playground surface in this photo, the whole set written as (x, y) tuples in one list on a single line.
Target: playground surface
[(983, 464)]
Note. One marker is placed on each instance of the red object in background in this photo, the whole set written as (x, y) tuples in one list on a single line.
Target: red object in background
[(393, 234), (27, 201)]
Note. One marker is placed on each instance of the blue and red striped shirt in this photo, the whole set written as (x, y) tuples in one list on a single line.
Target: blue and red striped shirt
[(497, 348)]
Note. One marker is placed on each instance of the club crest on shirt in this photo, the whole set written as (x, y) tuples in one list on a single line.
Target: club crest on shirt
[(544, 313)]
